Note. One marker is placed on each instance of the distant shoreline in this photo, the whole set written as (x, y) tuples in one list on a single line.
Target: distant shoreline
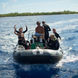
[(37, 13)]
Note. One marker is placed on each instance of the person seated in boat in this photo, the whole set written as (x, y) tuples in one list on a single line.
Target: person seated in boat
[(39, 32), (28, 44), (56, 34), (20, 34), (53, 43)]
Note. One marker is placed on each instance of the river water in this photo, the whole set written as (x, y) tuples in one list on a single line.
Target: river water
[(66, 26)]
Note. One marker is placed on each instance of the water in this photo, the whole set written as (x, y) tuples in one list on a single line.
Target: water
[(67, 27)]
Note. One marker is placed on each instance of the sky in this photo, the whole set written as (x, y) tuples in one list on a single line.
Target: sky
[(20, 6)]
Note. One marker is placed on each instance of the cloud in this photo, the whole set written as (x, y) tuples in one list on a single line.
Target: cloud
[(14, 0), (4, 5)]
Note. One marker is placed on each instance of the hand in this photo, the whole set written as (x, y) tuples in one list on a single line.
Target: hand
[(14, 26), (26, 28)]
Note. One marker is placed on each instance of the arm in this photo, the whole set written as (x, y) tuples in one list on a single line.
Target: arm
[(35, 29), (49, 29), (57, 35), (43, 31), (60, 37), (25, 30), (15, 31)]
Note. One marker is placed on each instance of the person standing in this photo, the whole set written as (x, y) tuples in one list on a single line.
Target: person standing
[(46, 29), (39, 31)]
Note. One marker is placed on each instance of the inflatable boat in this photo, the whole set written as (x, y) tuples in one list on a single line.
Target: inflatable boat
[(37, 56)]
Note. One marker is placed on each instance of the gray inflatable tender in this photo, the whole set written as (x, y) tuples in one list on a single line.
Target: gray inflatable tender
[(37, 56)]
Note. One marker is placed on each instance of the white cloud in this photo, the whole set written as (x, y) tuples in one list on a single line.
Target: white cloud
[(4, 5), (14, 0)]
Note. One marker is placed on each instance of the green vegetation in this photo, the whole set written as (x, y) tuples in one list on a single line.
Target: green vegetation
[(38, 13)]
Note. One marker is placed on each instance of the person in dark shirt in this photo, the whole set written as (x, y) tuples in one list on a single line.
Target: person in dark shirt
[(53, 43), (46, 30), (56, 34), (20, 34)]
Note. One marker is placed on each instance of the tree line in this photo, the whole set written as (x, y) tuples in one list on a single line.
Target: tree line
[(37, 13)]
